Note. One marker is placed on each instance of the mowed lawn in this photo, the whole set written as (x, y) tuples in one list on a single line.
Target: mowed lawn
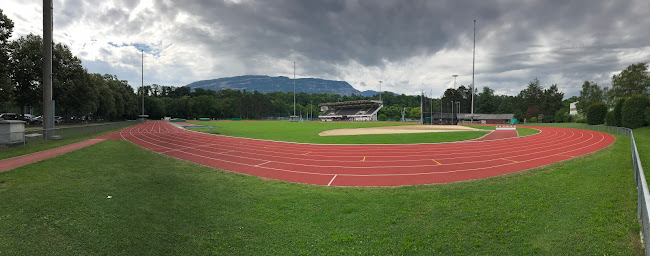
[(164, 206), (307, 132)]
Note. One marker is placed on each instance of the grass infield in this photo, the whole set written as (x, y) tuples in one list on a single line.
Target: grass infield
[(164, 206), (307, 132)]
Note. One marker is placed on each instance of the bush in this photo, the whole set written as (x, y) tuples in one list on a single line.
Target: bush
[(647, 116), (617, 113), (561, 116), (610, 118), (382, 117), (632, 112), (581, 120), (397, 118), (533, 119), (596, 113)]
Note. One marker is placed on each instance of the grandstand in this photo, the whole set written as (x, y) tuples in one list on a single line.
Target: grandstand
[(358, 110)]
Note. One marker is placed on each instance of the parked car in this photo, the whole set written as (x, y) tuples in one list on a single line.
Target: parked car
[(58, 119), (8, 116)]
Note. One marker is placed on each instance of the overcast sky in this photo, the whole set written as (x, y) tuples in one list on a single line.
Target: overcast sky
[(411, 46)]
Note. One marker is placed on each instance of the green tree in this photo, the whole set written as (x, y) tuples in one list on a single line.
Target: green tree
[(382, 117), (6, 88), (635, 79), (590, 94), (596, 113), (618, 108), (632, 113), (26, 69), (551, 103), (486, 101), (415, 113)]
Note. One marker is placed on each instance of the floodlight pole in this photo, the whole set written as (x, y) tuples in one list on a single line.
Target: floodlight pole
[(48, 108), (379, 90), (452, 112), (431, 119), (294, 89), (440, 110), (473, 60), (142, 85)]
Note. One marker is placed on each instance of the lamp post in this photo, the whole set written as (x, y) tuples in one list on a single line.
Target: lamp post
[(294, 89), (473, 58), (452, 112)]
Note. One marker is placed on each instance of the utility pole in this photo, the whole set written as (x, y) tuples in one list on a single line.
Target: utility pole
[(440, 110), (431, 107), (421, 108), (452, 112), (142, 86), (379, 90), (48, 108), (294, 89), (473, 58)]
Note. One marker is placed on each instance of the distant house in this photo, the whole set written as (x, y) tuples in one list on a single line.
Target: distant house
[(573, 110)]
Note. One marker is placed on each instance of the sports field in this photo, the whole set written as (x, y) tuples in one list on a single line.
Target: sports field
[(160, 205)]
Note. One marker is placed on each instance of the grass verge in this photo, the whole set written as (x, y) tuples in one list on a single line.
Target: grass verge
[(164, 206), (307, 132), (38, 144)]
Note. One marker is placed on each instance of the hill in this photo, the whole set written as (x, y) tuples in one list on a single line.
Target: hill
[(266, 84)]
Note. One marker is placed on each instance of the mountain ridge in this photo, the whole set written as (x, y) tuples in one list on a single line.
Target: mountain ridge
[(266, 84)]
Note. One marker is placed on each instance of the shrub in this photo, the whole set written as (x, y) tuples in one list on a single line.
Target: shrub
[(596, 113), (382, 117), (397, 118), (533, 119), (581, 120), (561, 116), (647, 116), (610, 118), (617, 112), (632, 112)]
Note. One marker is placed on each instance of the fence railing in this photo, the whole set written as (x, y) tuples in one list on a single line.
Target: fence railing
[(37, 136), (643, 196)]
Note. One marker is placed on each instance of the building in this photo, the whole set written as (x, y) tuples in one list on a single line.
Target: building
[(358, 110), (573, 110), (448, 118)]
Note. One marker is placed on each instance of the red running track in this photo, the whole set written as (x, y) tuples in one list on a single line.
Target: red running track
[(368, 165)]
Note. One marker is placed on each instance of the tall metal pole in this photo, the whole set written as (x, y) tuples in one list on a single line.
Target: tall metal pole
[(473, 58), (422, 108), (48, 109), (379, 90), (440, 110), (294, 89), (142, 86), (431, 106), (452, 112)]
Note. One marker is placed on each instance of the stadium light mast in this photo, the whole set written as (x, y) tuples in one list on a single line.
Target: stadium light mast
[(142, 85), (379, 90), (48, 105), (473, 60), (294, 89), (454, 76)]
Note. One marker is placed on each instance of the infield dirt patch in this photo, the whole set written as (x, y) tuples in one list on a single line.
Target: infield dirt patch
[(396, 129)]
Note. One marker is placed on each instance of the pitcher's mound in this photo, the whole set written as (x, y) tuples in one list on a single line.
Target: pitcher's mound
[(397, 129)]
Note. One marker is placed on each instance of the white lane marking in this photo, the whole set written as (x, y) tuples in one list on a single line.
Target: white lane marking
[(328, 184)]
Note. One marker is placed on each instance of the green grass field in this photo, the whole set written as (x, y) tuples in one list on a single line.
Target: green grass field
[(307, 132), (164, 206)]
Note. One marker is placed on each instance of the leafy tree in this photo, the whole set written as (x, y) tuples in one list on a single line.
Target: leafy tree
[(415, 113), (561, 116), (635, 79), (397, 118), (618, 108), (6, 88), (532, 95), (551, 103), (486, 101), (590, 94), (610, 120), (596, 113), (26, 69), (382, 117), (632, 113)]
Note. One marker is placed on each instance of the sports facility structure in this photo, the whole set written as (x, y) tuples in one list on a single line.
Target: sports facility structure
[(369, 165), (358, 110)]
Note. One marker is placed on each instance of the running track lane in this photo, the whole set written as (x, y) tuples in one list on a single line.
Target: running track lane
[(368, 165)]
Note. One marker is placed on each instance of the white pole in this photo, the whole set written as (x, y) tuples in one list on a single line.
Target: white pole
[(142, 86), (473, 60), (294, 89)]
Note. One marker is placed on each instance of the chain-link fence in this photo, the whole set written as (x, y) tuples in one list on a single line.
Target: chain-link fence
[(34, 136)]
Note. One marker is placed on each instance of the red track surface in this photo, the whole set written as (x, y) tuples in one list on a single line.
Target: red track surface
[(368, 165)]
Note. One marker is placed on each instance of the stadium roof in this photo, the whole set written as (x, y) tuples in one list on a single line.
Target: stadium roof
[(354, 102)]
